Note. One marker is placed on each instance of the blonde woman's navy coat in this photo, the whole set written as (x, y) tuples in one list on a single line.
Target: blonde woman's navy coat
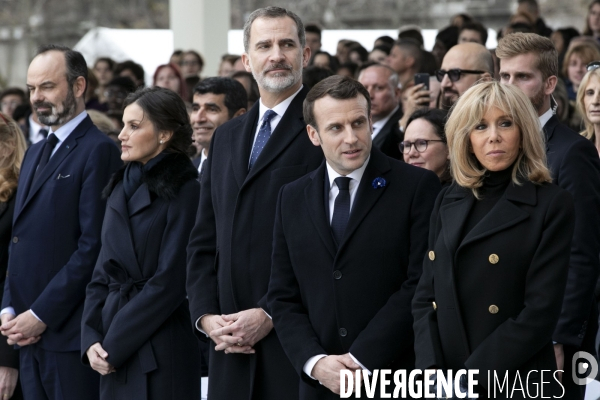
[(136, 304)]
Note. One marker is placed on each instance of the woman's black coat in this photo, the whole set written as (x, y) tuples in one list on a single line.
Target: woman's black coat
[(491, 301), (136, 303)]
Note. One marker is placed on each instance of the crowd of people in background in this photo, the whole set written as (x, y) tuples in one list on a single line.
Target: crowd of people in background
[(277, 109)]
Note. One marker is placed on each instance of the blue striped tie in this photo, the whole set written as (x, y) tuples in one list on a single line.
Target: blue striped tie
[(264, 133)]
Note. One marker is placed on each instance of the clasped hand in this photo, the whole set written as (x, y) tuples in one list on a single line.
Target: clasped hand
[(239, 332), (22, 330), (328, 370), (97, 357)]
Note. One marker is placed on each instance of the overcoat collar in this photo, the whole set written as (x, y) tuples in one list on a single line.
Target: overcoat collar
[(291, 125), (457, 205), (549, 128), (366, 197)]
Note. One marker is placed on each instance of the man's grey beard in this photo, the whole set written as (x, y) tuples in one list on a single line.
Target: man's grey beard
[(58, 117), (277, 83)]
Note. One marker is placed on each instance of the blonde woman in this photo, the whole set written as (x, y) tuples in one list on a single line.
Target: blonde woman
[(12, 150), (499, 245), (588, 105)]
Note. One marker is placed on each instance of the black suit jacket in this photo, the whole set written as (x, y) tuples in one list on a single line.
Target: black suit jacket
[(56, 232), (575, 167), (529, 230), (229, 254), (9, 356), (136, 303), (389, 136), (355, 298)]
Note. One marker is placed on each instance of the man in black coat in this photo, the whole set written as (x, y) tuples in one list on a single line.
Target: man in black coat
[(382, 84), (349, 242), (56, 231), (530, 62), (229, 255)]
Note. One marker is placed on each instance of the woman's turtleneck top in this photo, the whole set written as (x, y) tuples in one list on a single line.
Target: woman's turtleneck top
[(494, 185)]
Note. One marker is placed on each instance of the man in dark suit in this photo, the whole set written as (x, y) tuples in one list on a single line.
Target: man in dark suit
[(215, 101), (56, 231), (349, 243), (530, 62), (229, 255), (382, 84)]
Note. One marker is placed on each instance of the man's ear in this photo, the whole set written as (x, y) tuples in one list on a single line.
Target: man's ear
[(550, 85), (246, 62), (313, 135), (239, 112), (79, 86), (305, 56)]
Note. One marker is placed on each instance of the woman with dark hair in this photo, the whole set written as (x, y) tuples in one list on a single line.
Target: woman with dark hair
[(425, 143), (169, 77), (135, 325), (12, 151)]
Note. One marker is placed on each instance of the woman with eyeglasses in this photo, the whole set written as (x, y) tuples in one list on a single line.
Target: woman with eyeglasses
[(588, 103), (425, 145), (494, 277)]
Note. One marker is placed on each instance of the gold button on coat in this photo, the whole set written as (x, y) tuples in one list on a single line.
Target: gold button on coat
[(494, 258), (431, 255), (493, 309), (434, 305)]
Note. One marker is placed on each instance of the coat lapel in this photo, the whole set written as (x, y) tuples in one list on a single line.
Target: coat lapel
[(314, 194), (454, 215), (367, 195), (241, 143), (549, 129), (291, 125), (27, 173), (505, 213), (139, 201), (127, 257)]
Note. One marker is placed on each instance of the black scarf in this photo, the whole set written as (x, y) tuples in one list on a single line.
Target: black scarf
[(132, 179)]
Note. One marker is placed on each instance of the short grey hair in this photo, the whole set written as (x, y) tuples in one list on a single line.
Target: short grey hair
[(393, 79), (273, 12)]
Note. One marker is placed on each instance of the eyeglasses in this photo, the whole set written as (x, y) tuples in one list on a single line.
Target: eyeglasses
[(420, 145), (454, 74), (593, 65)]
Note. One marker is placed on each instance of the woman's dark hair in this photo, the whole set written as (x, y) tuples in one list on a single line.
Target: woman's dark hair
[(167, 112), (333, 61), (111, 63), (434, 116)]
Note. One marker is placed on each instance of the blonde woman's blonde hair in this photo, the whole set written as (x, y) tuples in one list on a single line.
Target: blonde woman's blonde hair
[(588, 132), (469, 111), (13, 143)]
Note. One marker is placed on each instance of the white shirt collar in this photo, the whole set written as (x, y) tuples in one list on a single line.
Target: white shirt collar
[(356, 174), (64, 131), (280, 108), (545, 117), (381, 123)]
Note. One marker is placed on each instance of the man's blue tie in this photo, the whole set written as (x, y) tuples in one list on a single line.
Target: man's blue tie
[(51, 142), (264, 133), (341, 208)]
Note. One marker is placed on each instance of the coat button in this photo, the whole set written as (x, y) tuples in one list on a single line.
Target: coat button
[(434, 305), (494, 258), (431, 255), (493, 309), (343, 332), (15, 239), (337, 274)]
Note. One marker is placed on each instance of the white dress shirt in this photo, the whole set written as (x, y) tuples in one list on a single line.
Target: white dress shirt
[(381, 123), (203, 157), (279, 109), (545, 117), (355, 176), (61, 134)]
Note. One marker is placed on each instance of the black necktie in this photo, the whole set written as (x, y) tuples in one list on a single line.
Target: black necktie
[(46, 152), (202, 169), (43, 132), (341, 208)]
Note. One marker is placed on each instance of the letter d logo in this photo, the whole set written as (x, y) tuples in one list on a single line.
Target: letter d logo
[(588, 368)]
